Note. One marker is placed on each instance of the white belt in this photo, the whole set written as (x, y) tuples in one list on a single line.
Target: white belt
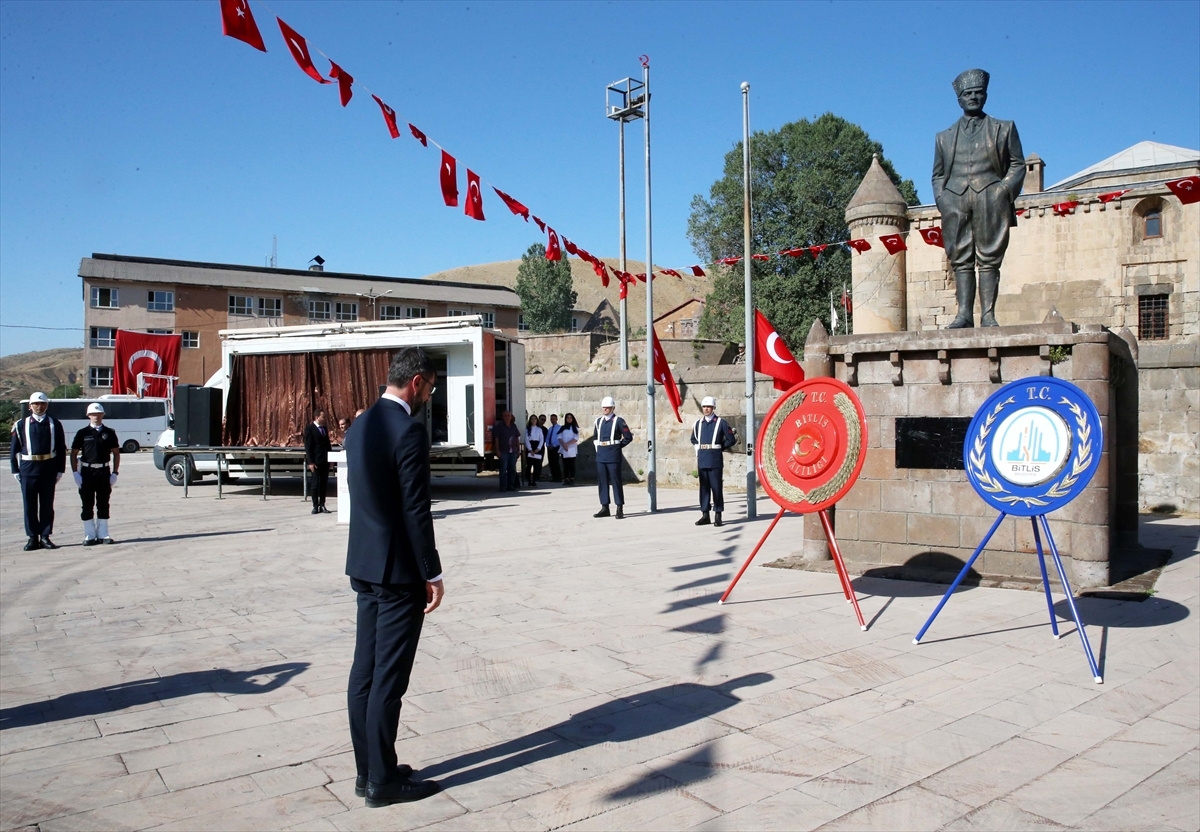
[(93, 464), (709, 447), (606, 444), (35, 457)]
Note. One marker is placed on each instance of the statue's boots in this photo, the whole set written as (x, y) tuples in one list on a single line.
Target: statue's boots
[(989, 288), (964, 286)]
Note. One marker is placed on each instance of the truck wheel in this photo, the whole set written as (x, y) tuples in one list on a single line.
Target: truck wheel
[(130, 447), (178, 469)]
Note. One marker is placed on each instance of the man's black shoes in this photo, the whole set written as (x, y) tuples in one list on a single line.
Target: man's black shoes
[(703, 521), (47, 543), (316, 510), (32, 543), (620, 513), (400, 791), (717, 519), (603, 512), (323, 510), (403, 771)]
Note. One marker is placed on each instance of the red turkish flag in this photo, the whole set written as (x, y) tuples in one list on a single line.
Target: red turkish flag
[(760, 257), (540, 224), (513, 205), (601, 271), (585, 255), (569, 246), (140, 352), (345, 81), (729, 261), (793, 252), (553, 251), (474, 206), (298, 46), (859, 245), (449, 180), (932, 236), (663, 375), (389, 116), (697, 271), (673, 273), (418, 135), (1111, 195), (1187, 189), (238, 22), (624, 286), (815, 251), (1064, 209), (894, 243), (847, 302), (772, 356)]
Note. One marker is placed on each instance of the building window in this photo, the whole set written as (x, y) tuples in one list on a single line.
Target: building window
[(160, 301), (489, 319), (456, 313), (522, 326), (390, 312), (191, 340), (414, 311), (103, 336), (1153, 223), (1153, 317), (574, 324), (104, 298), (270, 307), (347, 312), (160, 332), (240, 305), (100, 376), (318, 310)]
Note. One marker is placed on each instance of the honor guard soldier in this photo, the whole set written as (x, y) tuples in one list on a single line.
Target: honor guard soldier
[(611, 435), (38, 456), (90, 452), (712, 436)]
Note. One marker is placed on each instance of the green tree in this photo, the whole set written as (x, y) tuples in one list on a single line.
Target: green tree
[(803, 176), (67, 391), (544, 287)]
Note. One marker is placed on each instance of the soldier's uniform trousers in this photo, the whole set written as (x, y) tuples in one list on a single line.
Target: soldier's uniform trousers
[(37, 490), (95, 492)]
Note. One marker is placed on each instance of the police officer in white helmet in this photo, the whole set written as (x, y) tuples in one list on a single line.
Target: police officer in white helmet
[(90, 452), (611, 435), (38, 456), (712, 436)]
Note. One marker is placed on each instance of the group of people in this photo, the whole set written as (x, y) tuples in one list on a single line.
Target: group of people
[(38, 458), (541, 442)]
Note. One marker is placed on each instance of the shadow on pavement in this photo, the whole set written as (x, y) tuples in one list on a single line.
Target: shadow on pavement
[(191, 536), (1136, 612), (129, 694), (917, 576), (626, 719)]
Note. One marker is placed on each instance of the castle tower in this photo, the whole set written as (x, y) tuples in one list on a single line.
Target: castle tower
[(877, 208)]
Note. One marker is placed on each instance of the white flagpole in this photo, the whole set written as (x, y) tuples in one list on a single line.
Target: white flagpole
[(751, 483)]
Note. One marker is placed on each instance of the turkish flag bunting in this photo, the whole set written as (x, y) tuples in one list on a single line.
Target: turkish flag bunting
[(932, 236), (662, 373), (474, 206), (539, 222), (624, 288), (641, 276), (1187, 189), (449, 180), (893, 243), (859, 245), (772, 357), (298, 46), (1064, 209), (418, 135), (553, 251), (1111, 195), (1022, 212), (697, 271), (793, 252), (514, 206), (585, 255), (569, 246), (389, 116), (601, 271), (815, 251), (139, 352), (847, 302), (345, 81), (729, 261), (760, 257), (673, 273), (238, 22)]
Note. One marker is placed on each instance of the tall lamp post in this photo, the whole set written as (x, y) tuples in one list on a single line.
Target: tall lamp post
[(751, 484), (623, 102), (651, 451), (371, 295)]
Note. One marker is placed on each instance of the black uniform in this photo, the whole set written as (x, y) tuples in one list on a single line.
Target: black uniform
[(711, 440), (316, 452), (39, 455), (611, 435), (95, 446)]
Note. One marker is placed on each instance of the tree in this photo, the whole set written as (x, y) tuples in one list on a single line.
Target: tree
[(67, 391), (803, 176), (544, 287)]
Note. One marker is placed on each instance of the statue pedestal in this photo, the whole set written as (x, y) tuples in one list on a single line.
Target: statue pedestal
[(912, 505)]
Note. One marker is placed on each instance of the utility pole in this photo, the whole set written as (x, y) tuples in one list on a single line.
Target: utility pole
[(651, 451), (623, 103), (751, 482)]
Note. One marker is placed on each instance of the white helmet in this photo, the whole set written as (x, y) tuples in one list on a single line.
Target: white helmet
[(708, 401), (39, 397), (607, 401), (95, 407)]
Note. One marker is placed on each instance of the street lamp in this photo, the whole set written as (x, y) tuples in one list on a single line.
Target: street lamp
[(371, 295), (624, 101)]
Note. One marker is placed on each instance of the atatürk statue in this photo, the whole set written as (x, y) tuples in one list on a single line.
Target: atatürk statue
[(978, 171)]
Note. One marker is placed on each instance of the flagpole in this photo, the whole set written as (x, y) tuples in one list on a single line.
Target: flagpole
[(652, 452), (624, 268), (751, 484)]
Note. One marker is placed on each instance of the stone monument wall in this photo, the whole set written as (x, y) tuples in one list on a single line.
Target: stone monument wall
[(1169, 426)]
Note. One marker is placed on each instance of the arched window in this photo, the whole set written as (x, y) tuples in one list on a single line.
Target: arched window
[(1153, 223)]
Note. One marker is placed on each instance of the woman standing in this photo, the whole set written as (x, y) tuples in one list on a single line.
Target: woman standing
[(568, 441), (535, 441)]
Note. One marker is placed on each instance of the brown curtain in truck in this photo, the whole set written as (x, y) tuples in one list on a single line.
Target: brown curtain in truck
[(272, 397)]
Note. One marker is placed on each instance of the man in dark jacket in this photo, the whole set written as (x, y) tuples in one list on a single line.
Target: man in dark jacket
[(611, 436), (712, 436), (394, 567), (38, 456), (316, 456)]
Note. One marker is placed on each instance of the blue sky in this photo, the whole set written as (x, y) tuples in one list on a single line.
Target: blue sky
[(136, 128)]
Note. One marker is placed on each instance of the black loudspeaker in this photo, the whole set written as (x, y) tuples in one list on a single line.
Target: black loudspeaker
[(197, 416)]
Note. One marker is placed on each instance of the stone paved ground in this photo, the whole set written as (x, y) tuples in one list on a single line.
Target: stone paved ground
[(579, 675)]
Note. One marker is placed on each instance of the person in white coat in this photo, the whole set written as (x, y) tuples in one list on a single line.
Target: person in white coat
[(568, 443)]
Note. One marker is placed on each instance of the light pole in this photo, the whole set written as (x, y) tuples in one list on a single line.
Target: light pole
[(651, 451), (623, 102), (372, 296), (751, 484)]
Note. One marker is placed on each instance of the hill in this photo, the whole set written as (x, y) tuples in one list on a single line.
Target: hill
[(22, 373)]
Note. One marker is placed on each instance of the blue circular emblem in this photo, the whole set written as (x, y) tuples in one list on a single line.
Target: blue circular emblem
[(1033, 446)]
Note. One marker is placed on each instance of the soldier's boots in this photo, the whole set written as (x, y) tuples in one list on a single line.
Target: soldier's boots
[(703, 521), (989, 288), (620, 513), (603, 512), (717, 520), (964, 291)]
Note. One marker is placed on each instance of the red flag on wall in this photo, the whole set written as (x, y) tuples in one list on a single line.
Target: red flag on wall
[(894, 243), (140, 352), (772, 356), (815, 251), (1064, 209), (697, 271), (513, 205), (932, 236), (418, 135), (474, 206), (298, 46), (1111, 195), (662, 373), (389, 117), (1187, 189), (449, 180), (345, 81), (238, 22), (859, 245), (553, 251)]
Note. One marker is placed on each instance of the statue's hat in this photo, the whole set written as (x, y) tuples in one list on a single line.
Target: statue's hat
[(971, 78)]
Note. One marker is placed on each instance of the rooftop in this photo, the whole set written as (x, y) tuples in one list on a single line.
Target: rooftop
[(1141, 155)]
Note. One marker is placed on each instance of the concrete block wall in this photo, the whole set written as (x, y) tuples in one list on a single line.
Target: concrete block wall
[(1169, 426)]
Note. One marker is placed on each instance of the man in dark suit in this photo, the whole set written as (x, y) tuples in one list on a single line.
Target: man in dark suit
[(394, 567), (978, 171), (316, 457), (611, 435)]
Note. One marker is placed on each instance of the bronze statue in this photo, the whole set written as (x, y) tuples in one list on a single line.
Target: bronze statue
[(978, 171)]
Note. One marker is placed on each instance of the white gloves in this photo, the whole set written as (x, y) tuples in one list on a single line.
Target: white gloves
[(57, 477), (17, 477), (112, 479), (78, 479)]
